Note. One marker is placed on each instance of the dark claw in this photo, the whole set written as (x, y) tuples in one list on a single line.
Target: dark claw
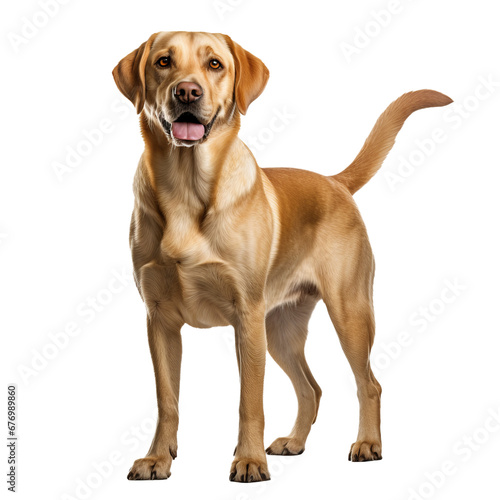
[(232, 476), (242, 478), (129, 476), (301, 451), (263, 476), (153, 474), (285, 451), (355, 458)]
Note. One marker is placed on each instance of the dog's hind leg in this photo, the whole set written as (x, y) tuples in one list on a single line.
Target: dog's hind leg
[(286, 328), (347, 293)]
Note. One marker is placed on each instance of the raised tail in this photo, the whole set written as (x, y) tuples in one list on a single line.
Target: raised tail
[(383, 135)]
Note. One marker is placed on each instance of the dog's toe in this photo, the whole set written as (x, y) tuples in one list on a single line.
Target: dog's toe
[(286, 446), (365, 451), (150, 468), (248, 470)]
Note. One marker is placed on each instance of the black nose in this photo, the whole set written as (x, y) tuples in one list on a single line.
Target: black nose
[(188, 92)]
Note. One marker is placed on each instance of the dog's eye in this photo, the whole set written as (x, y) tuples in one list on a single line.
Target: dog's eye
[(215, 64), (163, 62)]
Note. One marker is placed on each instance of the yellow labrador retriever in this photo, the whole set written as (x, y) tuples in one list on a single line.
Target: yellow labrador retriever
[(216, 241)]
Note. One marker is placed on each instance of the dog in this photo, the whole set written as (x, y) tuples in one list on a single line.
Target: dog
[(218, 241)]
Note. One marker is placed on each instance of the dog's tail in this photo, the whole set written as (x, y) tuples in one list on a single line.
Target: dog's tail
[(383, 135)]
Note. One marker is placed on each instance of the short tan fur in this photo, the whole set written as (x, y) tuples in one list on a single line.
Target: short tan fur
[(216, 240)]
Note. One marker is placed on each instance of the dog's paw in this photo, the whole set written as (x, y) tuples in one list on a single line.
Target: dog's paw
[(151, 468), (249, 470), (365, 451), (286, 446)]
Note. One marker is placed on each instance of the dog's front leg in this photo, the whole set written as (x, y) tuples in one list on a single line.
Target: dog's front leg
[(250, 462), (166, 350)]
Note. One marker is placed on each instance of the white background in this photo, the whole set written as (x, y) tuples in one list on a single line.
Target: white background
[(62, 239)]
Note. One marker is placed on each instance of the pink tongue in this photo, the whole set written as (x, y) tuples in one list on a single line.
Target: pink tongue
[(188, 131)]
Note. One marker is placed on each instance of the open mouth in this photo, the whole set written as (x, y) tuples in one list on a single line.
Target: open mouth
[(187, 127)]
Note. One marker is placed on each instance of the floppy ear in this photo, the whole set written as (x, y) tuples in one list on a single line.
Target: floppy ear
[(130, 74), (251, 75)]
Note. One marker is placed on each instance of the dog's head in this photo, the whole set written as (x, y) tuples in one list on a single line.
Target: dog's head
[(191, 84)]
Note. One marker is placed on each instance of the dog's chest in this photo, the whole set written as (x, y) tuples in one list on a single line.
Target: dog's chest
[(184, 240), (204, 274)]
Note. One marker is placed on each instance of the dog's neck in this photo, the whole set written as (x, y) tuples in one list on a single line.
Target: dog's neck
[(213, 175)]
